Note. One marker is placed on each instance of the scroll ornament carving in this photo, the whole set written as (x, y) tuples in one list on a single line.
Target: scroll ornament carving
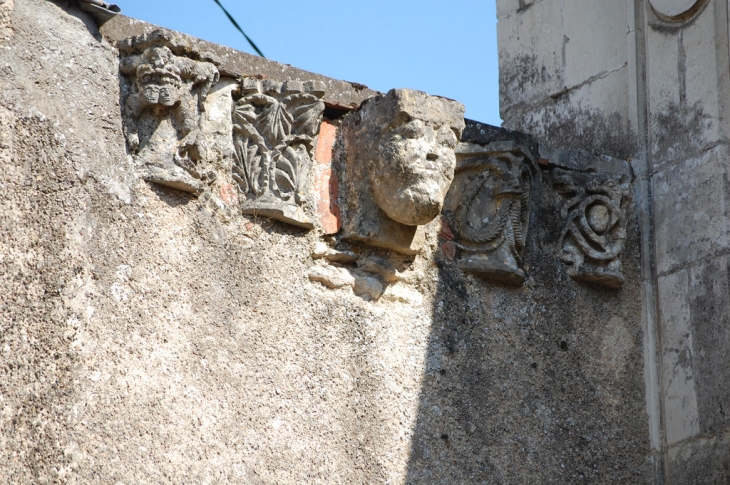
[(489, 209), (595, 226), (275, 126), (162, 110)]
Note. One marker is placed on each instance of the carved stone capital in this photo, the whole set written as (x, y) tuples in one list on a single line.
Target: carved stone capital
[(488, 209), (274, 132), (162, 105), (594, 231)]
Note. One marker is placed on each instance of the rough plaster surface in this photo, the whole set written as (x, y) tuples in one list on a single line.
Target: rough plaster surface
[(147, 336)]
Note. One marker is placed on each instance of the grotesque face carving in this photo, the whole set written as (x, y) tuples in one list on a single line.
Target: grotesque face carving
[(413, 170), (400, 162), (158, 78)]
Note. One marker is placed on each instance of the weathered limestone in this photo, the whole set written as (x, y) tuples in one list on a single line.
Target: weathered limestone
[(162, 110), (679, 382), (691, 211), (276, 125), (148, 334), (664, 105), (488, 208), (399, 163), (595, 225)]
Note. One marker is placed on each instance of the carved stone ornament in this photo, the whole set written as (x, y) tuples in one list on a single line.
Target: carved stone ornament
[(488, 209), (162, 108), (595, 225), (399, 163), (274, 128)]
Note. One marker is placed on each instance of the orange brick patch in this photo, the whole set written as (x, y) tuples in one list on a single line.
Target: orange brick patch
[(325, 181), (228, 194)]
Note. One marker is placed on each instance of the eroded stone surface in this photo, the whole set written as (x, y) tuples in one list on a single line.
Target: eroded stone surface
[(162, 110), (595, 224), (399, 163), (275, 128), (150, 336), (488, 207)]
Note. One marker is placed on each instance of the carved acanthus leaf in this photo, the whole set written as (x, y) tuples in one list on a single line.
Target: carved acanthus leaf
[(274, 136)]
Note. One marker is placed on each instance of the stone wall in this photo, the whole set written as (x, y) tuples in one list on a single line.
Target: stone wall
[(175, 310), (648, 79)]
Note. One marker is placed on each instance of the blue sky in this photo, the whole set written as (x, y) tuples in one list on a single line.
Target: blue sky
[(444, 48)]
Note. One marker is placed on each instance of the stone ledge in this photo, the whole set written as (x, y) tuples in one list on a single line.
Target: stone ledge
[(234, 63)]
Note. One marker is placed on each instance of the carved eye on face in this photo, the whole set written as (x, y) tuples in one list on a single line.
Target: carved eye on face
[(447, 137)]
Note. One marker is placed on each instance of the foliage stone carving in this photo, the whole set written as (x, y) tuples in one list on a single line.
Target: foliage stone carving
[(274, 130)]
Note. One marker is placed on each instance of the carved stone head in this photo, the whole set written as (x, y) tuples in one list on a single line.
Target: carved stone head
[(400, 154), (413, 168)]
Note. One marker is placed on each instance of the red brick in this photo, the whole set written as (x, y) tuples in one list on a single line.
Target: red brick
[(325, 142), (325, 181)]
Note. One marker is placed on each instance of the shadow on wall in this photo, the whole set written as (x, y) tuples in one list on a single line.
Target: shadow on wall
[(538, 383)]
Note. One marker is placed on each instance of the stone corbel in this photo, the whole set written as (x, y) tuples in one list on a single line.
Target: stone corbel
[(275, 126), (488, 209), (594, 231), (162, 106), (398, 165)]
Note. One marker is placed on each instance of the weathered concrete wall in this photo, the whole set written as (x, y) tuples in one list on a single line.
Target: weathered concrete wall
[(660, 70), (151, 336)]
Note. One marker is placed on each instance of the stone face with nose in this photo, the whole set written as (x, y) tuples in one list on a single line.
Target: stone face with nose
[(402, 145)]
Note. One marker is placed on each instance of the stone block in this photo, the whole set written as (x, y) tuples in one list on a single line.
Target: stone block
[(217, 123), (678, 379), (593, 117), (690, 211), (709, 287), (706, 64), (702, 461), (530, 56), (595, 48), (662, 57), (687, 79), (331, 276), (507, 7)]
